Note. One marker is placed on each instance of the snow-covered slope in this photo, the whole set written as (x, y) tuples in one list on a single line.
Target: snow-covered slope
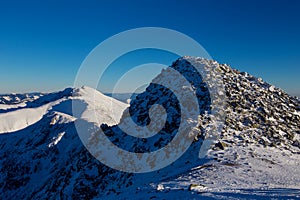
[(46, 159), (14, 117), (256, 157)]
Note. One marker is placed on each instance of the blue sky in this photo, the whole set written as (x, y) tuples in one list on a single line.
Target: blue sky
[(43, 43)]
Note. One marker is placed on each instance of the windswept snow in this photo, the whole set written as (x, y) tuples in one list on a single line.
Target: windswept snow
[(99, 107), (91, 105), (11, 106), (21, 118)]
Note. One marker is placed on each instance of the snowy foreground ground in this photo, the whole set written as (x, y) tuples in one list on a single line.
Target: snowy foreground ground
[(41, 155), (242, 173)]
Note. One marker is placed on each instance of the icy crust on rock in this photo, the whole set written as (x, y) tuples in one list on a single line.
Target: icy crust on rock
[(187, 99), (259, 113), (140, 107)]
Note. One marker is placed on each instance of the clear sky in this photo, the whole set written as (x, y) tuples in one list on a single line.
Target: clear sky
[(43, 43)]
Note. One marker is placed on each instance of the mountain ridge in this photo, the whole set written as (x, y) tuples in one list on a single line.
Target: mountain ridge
[(260, 140)]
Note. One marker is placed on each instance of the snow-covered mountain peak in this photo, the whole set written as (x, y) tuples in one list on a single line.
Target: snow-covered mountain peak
[(255, 156), (79, 103)]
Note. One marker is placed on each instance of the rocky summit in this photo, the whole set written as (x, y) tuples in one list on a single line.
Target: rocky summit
[(256, 152)]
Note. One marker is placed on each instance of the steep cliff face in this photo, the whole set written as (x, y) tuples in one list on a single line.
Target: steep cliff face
[(257, 148), (161, 92)]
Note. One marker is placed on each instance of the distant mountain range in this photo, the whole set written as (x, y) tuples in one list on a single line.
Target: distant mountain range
[(256, 155)]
